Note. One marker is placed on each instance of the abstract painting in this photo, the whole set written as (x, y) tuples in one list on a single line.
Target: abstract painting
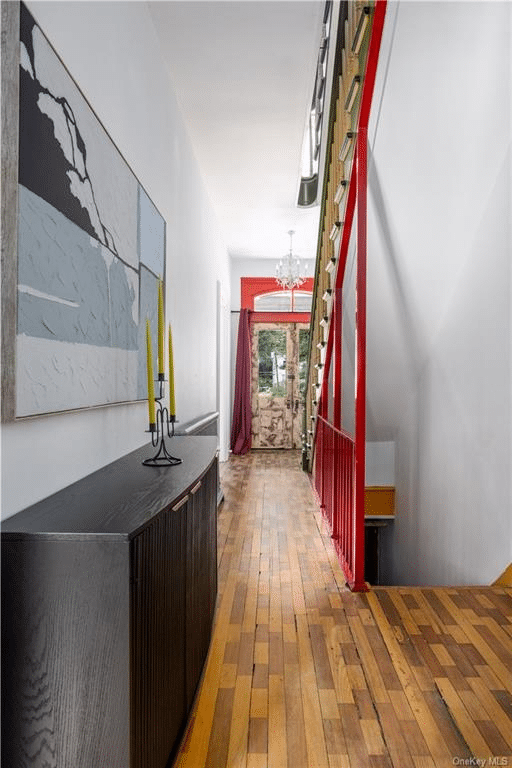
[(91, 248)]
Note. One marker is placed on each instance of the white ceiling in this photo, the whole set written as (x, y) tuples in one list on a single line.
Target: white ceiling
[(243, 73)]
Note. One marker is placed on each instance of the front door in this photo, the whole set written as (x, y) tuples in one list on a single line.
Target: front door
[(279, 360)]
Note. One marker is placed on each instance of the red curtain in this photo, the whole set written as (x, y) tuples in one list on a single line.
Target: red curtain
[(241, 424)]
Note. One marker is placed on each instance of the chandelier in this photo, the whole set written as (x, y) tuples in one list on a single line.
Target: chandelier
[(289, 270)]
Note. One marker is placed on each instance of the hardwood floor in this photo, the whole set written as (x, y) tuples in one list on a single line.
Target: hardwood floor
[(304, 674)]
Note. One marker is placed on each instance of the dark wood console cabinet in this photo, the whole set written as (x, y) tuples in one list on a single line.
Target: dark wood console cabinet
[(108, 596)]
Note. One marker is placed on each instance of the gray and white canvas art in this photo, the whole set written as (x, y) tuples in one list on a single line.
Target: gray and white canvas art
[(91, 248)]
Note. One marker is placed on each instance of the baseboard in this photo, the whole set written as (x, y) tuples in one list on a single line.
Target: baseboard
[(505, 580)]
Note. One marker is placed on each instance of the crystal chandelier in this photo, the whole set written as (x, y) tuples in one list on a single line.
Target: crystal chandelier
[(289, 270)]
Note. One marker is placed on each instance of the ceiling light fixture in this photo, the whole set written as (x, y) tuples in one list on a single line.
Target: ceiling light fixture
[(335, 230), (340, 191), (353, 91), (289, 269), (346, 145), (331, 264), (362, 26)]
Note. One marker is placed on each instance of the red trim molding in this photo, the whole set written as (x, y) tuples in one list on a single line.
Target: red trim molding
[(279, 317), (250, 287), (358, 584)]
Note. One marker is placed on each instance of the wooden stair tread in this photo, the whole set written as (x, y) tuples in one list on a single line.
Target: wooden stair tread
[(379, 501)]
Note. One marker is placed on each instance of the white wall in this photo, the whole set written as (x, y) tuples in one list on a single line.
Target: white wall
[(510, 241), (242, 267), (439, 292), (380, 463), (112, 51)]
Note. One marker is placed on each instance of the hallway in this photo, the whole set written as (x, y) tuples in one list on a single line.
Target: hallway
[(303, 673)]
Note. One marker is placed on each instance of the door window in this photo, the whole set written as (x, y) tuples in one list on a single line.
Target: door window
[(303, 359), (272, 362)]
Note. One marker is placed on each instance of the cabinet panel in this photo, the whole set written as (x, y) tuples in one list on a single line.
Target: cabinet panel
[(65, 654), (158, 638), (201, 580), (210, 552)]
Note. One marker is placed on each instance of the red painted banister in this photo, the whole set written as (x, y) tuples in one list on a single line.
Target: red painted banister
[(334, 483), (360, 388)]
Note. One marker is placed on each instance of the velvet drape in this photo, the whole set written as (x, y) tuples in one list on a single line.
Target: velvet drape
[(241, 424)]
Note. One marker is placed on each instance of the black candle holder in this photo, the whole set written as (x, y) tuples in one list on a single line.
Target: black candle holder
[(162, 458)]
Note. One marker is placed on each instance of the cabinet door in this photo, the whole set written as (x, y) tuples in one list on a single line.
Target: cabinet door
[(201, 576), (158, 638), (65, 653)]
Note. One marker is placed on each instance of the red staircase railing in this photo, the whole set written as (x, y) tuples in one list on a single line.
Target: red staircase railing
[(339, 458), (334, 481)]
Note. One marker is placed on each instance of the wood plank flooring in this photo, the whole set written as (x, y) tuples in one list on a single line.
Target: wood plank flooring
[(304, 674)]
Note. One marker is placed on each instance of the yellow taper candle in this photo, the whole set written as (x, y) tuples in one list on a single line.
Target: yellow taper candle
[(151, 385), (161, 367), (172, 400)]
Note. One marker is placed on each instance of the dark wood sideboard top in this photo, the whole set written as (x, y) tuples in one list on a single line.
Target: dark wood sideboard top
[(117, 500)]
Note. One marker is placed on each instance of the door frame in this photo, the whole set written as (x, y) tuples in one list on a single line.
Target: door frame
[(250, 287), (278, 405)]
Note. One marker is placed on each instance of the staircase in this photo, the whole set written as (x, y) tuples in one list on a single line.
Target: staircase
[(335, 407)]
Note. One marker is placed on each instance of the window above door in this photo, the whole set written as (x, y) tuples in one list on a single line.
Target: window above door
[(262, 294), (283, 301)]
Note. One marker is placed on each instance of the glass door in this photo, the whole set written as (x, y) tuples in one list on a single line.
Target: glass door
[(279, 360)]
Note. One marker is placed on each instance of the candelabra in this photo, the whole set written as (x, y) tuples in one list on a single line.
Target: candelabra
[(162, 458)]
